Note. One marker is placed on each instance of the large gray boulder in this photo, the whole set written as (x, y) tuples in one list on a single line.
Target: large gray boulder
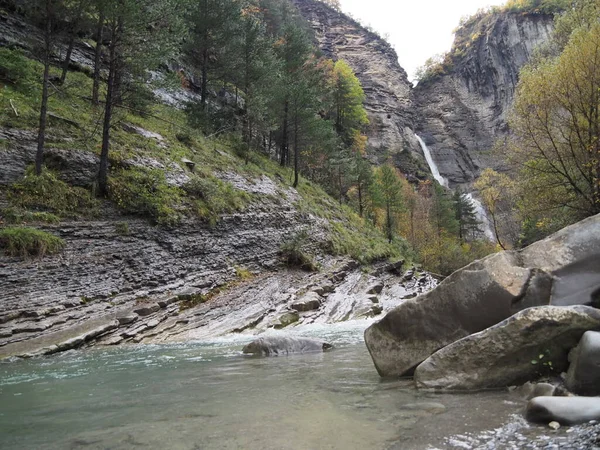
[(470, 300), (564, 410), (559, 270), (530, 344), (282, 345), (583, 377)]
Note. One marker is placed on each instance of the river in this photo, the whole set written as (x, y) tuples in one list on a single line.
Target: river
[(207, 395)]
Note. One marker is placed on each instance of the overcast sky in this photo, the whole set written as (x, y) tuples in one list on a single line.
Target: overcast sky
[(417, 29)]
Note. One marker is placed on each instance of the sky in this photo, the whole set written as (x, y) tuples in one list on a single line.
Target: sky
[(418, 29)]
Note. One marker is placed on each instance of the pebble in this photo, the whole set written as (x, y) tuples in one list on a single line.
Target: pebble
[(518, 434)]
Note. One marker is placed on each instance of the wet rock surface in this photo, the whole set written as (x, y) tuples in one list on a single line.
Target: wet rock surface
[(470, 300), (583, 377), (484, 293), (523, 347), (564, 410), (282, 345), (518, 435)]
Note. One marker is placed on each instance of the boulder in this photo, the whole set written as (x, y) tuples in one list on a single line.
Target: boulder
[(286, 319), (126, 319), (146, 310), (532, 343), (308, 302), (583, 377), (560, 270), (468, 301), (280, 345), (564, 410), (531, 390)]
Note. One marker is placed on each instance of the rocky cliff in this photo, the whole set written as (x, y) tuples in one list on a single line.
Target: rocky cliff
[(462, 111), (389, 101)]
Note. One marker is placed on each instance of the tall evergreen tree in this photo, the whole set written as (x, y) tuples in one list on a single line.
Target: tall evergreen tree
[(466, 216), (154, 25)]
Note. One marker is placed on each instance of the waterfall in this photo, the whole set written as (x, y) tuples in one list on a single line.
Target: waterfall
[(481, 216), (479, 209), (432, 166)]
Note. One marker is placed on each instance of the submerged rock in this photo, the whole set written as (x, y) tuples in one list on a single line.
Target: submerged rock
[(564, 410), (583, 376), (279, 345), (532, 343)]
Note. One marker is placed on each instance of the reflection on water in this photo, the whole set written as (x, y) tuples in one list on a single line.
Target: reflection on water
[(208, 396)]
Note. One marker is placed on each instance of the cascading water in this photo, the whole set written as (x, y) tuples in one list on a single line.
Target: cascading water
[(432, 165), (481, 216), (479, 209)]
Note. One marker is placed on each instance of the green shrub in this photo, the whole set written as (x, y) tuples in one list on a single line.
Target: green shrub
[(242, 273), (22, 241), (13, 215), (145, 192), (48, 192), (213, 197), (122, 228), (17, 69), (293, 254)]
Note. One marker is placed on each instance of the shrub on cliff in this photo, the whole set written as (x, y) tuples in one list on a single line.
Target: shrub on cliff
[(146, 192), (293, 253), (23, 241), (48, 192)]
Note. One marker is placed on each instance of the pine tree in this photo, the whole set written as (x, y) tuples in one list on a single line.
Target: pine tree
[(466, 216), (155, 24), (388, 192)]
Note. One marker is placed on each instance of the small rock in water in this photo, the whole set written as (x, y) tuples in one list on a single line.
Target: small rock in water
[(554, 425), (280, 345)]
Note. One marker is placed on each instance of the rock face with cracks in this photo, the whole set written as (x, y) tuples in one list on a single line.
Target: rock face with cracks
[(389, 98), (529, 344), (463, 111), (484, 293)]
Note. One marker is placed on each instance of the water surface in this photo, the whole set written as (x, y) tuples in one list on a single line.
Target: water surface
[(207, 395)]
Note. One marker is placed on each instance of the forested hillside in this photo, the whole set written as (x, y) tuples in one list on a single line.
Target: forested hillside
[(142, 95)]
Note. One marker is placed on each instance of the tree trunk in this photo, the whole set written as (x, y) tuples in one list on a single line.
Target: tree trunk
[(248, 141), (389, 222), (108, 109), (67, 62), (296, 151), (360, 201), (284, 136), (97, 62), (204, 80), (496, 231), (39, 155), (341, 184)]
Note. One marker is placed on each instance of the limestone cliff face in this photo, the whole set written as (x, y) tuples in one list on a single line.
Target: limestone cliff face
[(462, 112), (389, 101)]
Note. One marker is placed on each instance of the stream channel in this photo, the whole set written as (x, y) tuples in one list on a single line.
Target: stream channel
[(208, 395)]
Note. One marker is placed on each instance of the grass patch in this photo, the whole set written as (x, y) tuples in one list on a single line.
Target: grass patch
[(349, 234), (122, 228), (212, 197), (24, 242), (48, 193), (293, 253), (146, 192), (12, 215), (242, 273)]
